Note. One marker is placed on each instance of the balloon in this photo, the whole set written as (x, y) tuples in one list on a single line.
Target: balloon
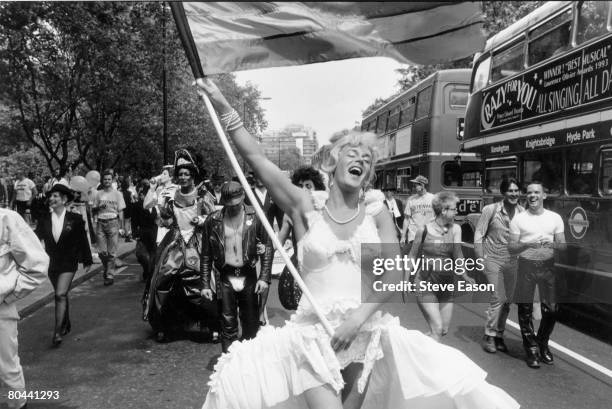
[(93, 178), (79, 183)]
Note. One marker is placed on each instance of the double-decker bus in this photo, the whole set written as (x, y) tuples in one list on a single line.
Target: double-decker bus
[(540, 108), (418, 135)]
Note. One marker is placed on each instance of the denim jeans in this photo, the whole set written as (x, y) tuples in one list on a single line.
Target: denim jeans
[(107, 235), (502, 274)]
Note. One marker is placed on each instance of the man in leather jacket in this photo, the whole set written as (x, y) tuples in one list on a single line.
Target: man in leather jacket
[(230, 251)]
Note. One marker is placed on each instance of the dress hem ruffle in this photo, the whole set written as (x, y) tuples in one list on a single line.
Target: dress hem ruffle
[(281, 363)]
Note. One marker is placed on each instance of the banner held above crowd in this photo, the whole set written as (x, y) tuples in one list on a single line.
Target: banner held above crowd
[(242, 36)]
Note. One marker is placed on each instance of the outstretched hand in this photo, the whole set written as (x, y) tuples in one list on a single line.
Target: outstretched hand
[(208, 87)]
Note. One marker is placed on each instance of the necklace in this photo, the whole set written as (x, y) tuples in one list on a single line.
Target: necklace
[(444, 229), (186, 199), (235, 228), (350, 219)]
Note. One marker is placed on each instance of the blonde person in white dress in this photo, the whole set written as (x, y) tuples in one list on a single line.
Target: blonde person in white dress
[(371, 361)]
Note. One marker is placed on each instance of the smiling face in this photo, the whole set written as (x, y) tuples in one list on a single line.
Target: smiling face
[(354, 166), (535, 197), (57, 200), (512, 194)]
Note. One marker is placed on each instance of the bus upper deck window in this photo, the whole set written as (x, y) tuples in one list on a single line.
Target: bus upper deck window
[(408, 109), (508, 63), (424, 102), (592, 20), (551, 38), (481, 78), (381, 126), (394, 119)]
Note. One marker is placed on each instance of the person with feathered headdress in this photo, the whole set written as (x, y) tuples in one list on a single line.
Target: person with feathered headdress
[(172, 300)]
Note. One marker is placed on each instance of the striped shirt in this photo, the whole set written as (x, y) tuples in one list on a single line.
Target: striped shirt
[(493, 229)]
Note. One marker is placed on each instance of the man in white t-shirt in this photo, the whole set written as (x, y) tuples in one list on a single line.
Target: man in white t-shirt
[(109, 205), (418, 211), (23, 193), (535, 235)]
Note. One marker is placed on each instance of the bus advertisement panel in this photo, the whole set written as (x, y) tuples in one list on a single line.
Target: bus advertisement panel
[(575, 80)]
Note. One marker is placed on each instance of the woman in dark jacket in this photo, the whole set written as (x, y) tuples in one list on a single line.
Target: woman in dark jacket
[(65, 240)]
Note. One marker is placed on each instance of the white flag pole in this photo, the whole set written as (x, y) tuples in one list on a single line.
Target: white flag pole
[(262, 217)]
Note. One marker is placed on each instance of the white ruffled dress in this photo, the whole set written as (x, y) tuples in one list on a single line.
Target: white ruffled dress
[(402, 368)]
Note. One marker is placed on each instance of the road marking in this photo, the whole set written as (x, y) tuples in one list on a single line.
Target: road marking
[(602, 369), (120, 270)]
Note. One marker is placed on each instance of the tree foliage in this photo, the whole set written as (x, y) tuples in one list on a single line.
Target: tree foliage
[(82, 85), (374, 106)]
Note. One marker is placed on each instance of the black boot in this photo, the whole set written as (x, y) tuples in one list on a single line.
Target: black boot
[(545, 354), (546, 327), (533, 360)]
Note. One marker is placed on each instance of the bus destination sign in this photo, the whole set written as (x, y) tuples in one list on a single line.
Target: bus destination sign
[(581, 77), (570, 136), (468, 206)]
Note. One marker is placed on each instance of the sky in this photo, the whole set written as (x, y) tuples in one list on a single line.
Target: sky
[(327, 97)]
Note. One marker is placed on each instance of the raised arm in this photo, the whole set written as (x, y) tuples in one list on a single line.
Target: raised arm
[(288, 196)]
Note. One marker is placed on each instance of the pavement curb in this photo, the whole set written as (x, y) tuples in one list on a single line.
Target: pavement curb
[(41, 302)]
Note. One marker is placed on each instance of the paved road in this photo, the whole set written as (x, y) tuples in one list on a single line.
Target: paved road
[(110, 360)]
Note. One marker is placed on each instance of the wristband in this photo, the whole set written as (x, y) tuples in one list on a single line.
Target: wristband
[(231, 120)]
